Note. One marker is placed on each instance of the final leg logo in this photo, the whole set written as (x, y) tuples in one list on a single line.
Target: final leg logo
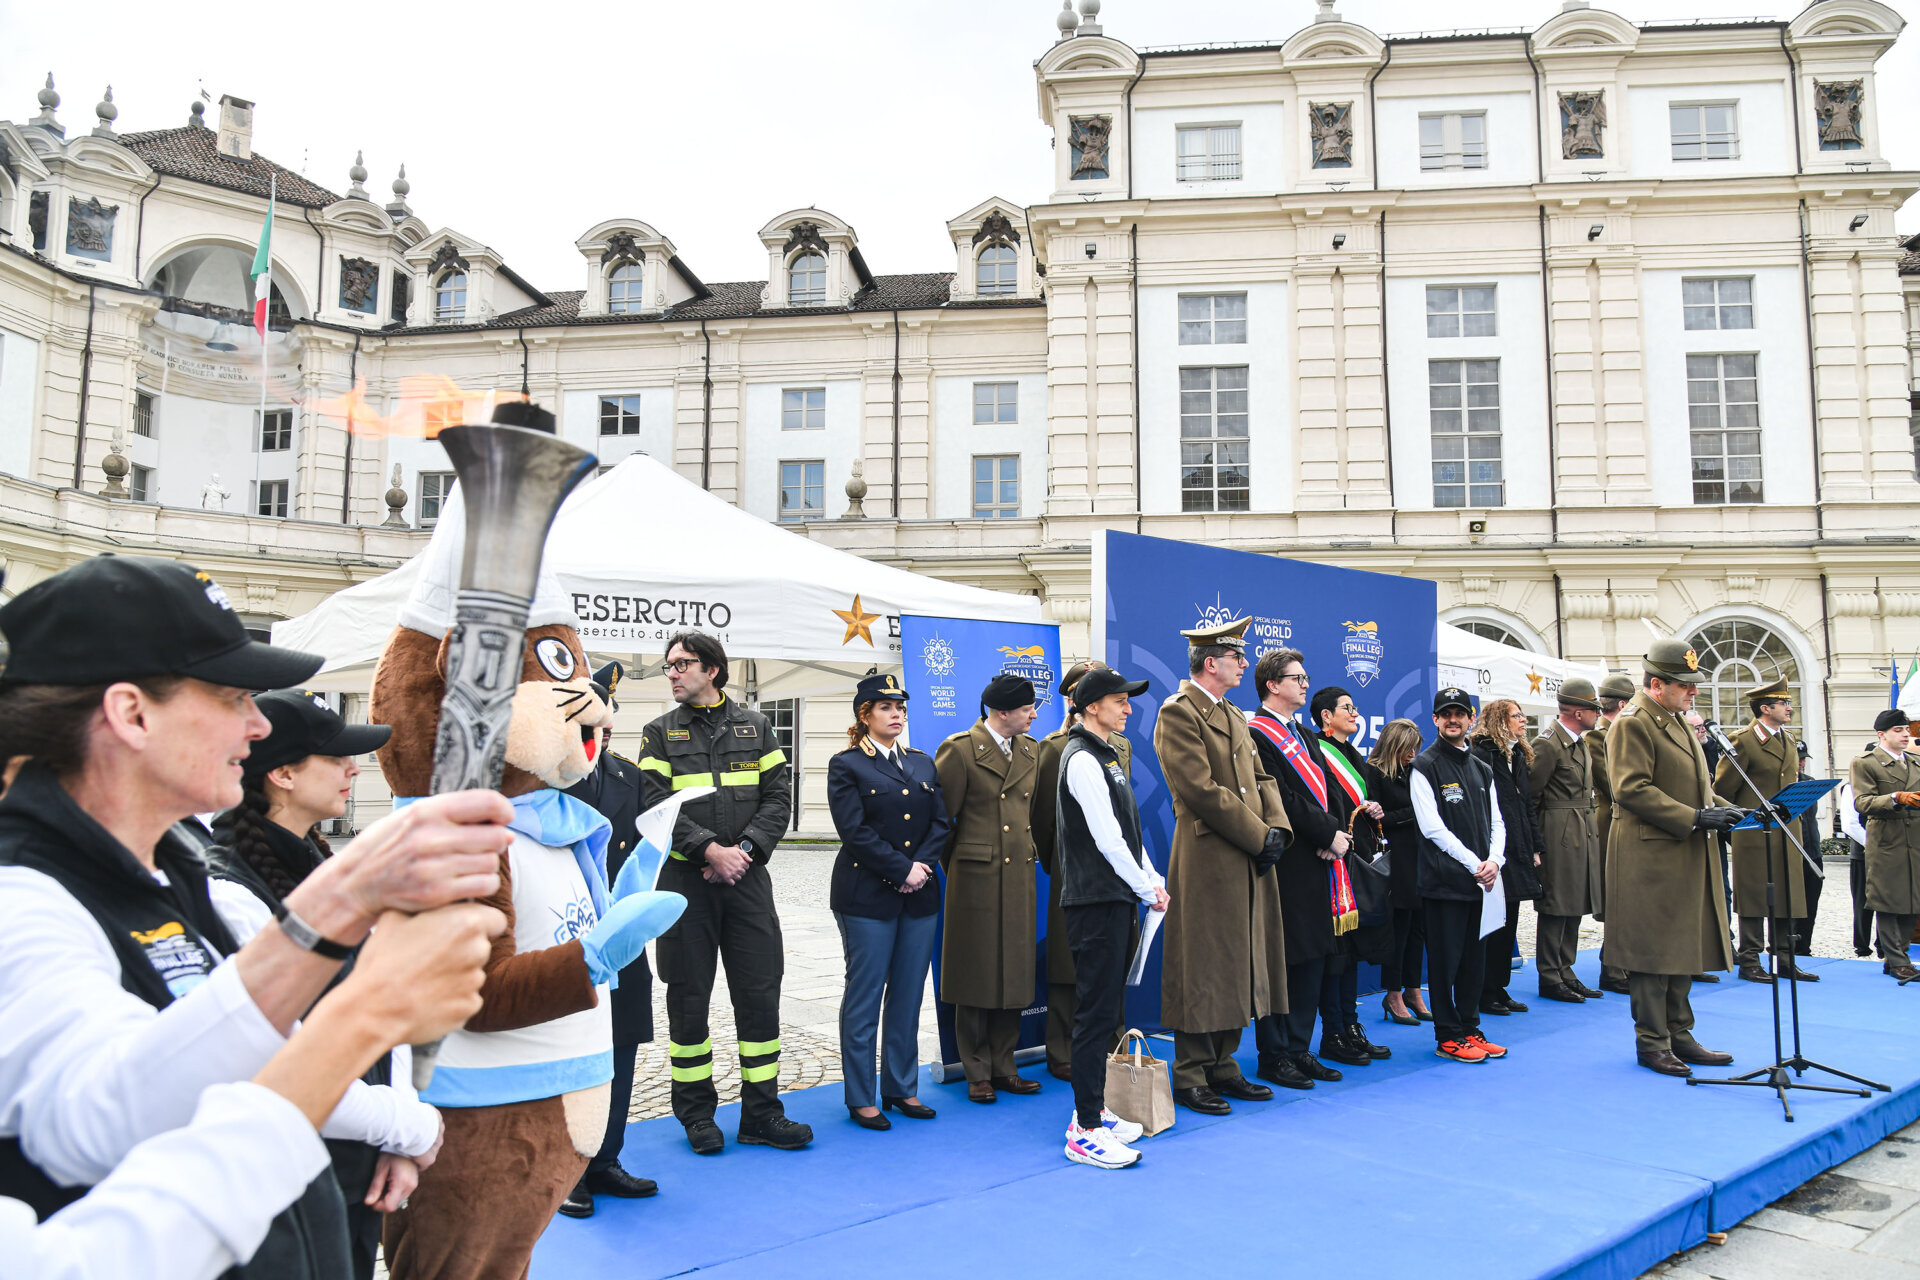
[(1030, 662), (1363, 651)]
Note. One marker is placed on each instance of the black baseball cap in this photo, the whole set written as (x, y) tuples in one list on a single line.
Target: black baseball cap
[(1451, 697), (1101, 681), (304, 725), (131, 617)]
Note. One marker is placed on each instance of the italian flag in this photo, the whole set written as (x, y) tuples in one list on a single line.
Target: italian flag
[(263, 266)]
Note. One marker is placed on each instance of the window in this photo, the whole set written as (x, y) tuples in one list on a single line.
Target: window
[(996, 487), (143, 414), (276, 430), (271, 498), (1465, 312), (1210, 319), (1723, 411), (450, 296), (1736, 656), (1457, 141), (140, 485), (1718, 304), (783, 717), (619, 415), (1705, 131), (995, 402), (997, 272), (1463, 398), (803, 409), (1213, 439), (436, 415), (802, 491), (1208, 153), (807, 280), (623, 289), (434, 488), (1493, 631)]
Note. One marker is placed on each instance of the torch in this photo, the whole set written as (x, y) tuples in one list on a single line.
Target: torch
[(513, 474)]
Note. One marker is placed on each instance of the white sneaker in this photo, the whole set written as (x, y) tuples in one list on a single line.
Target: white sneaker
[(1122, 1130), (1098, 1148)]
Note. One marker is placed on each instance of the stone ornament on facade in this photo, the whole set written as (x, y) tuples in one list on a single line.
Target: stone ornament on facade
[(90, 227), (621, 250), (1583, 121), (116, 467), (213, 494), (1090, 137), (359, 284), (396, 501), (1332, 124), (1839, 110), (806, 235), (448, 256), (997, 229), (856, 494)]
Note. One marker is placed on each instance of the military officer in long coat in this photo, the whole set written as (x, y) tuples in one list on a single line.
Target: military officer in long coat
[(1616, 691), (1572, 870), (1225, 962), (987, 952), (1764, 749), (1886, 794), (1666, 910)]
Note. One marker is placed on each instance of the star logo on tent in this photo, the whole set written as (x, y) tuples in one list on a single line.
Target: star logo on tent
[(859, 622), (1533, 682)]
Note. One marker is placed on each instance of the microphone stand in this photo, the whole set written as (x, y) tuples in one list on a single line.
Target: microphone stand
[(1775, 1075)]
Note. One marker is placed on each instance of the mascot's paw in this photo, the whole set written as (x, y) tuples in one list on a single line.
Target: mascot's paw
[(629, 925)]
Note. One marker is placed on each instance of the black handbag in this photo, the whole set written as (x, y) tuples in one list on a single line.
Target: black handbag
[(1368, 868)]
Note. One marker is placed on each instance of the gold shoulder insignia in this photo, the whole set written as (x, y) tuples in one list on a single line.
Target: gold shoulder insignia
[(866, 745)]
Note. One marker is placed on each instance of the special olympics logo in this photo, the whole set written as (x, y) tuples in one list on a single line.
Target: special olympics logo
[(1363, 651), (937, 654), (1215, 614)]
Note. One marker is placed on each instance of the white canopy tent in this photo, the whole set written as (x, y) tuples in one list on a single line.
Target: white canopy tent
[(1488, 669)]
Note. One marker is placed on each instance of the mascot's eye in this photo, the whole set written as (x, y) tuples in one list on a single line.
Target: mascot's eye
[(555, 657)]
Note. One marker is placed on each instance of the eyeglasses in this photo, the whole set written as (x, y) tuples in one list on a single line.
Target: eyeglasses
[(679, 665), (1301, 676)]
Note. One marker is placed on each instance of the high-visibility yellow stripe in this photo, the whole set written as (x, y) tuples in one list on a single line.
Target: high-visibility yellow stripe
[(756, 1048), (653, 765), (754, 1075), (702, 1072), (686, 780), (772, 758), (731, 780), (689, 1050), (677, 856)]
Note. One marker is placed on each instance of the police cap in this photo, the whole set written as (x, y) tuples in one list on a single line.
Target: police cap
[(878, 689), (1773, 691)]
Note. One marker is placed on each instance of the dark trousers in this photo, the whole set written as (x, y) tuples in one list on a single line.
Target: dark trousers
[(986, 1039), (1204, 1058), (1499, 962), (618, 1105), (1405, 963), (1100, 934), (1339, 994), (1862, 914), (1456, 967), (887, 965), (1290, 1034), (735, 925), (1556, 945), (1892, 934), (1662, 1007), (1062, 1002)]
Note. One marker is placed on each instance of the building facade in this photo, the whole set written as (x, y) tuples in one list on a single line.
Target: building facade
[(1602, 326)]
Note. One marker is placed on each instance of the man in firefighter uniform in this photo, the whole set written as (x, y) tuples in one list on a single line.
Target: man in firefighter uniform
[(721, 845), (1766, 752)]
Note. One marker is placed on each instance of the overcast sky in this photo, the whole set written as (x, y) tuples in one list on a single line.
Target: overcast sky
[(523, 126)]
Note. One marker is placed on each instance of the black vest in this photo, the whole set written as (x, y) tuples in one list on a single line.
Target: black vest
[(1086, 877), (1461, 791), (167, 938)]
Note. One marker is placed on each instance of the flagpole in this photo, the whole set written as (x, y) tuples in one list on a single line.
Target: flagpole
[(266, 327)]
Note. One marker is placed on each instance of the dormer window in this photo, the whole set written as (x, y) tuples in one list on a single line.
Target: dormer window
[(997, 273), (624, 291), (450, 296), (807, 280)]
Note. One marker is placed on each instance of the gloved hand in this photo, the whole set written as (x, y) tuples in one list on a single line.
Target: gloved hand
[(629, 925), (1717, 819), (1270, 852), (1908, 799)]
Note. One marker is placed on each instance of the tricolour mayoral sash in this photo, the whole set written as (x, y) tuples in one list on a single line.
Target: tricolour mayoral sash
[(1345, 774), (1346, 909)]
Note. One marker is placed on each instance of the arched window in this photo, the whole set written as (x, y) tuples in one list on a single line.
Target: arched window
[(623, 288), (998, 271), (450, 296), (1735, 656), (807, 280), (1495, 632)]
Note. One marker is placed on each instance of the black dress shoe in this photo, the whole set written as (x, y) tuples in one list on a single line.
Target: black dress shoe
[(1357, 1037), (877, 1121), (1563, 992), (981, 1091), (911, 1110), (1203, 1100), (1802, 975), (1513, 1006), (1706, 977), (1059, 1072), (1495, 1006), (618, 1182), (1016, 1084), (579, 1201), (705, 1138), (1335, 1047), (1619, 985), (1284, 1074), (1700, 1056), (1244, 1089), (779, 1133), (1754, 973), (1665, 1063), (1582, 990), (1314, 1069)]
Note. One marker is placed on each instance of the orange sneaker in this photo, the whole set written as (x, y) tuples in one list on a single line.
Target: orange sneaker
[(1487, 1048), (1462, 1051)]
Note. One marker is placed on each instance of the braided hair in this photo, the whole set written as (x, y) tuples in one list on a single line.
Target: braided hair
[(243, 829)]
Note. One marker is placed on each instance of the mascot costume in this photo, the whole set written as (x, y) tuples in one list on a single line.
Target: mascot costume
[(524, 1087)]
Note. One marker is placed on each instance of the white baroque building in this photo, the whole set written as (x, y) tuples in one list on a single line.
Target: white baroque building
[(1601, 326)]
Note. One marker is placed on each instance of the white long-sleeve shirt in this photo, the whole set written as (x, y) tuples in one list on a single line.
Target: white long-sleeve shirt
[(1426, 813), (1850, 822), (1087, 783), (184, 1205)]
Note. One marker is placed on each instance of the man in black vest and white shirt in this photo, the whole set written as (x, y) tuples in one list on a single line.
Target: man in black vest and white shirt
[(1462, 848), (1104, 877)]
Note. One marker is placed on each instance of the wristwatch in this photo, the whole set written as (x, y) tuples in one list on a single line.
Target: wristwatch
[(306, 937), (746, 846)]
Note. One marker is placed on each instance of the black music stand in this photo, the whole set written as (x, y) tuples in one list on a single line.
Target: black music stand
[(1796, 798)]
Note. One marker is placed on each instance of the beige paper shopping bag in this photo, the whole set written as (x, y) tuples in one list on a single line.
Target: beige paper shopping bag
[(1139, 1085)]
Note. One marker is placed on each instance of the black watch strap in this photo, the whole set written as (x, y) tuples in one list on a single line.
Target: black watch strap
[(306, 937)]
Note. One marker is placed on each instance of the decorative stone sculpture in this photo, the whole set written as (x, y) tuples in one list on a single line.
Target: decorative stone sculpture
[(997, 229), (106, 113), (621, 248), (116, 466), (1838, 108), (806, 235), (356, 176), (1332, 134), (213, 494), (1090, 137), (856, 494), (447, 257), (1583, 121), (359, 284), (396, 502), (90, 228)]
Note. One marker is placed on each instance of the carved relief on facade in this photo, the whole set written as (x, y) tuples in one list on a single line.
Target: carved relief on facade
[(1090, 138), (90, 228), (447, 257), (359, 285), (1332, 124), (806, 235), (997, 229), (621, 249), (1583, 122), (1838, 109)]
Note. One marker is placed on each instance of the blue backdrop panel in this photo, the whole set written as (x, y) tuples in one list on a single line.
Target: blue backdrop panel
[(948, 663), (1374, 634)]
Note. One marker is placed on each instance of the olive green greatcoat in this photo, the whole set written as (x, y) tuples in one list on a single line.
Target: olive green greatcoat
[(1225, 959), (1666, 911), (987, 948), (1045, 815), (1893, 832), (1772, 764), (1596, 742), (1573, 870)]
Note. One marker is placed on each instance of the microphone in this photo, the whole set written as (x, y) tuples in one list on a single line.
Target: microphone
[(1719, 736)]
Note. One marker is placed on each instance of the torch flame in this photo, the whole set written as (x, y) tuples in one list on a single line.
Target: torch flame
[(427, 402)]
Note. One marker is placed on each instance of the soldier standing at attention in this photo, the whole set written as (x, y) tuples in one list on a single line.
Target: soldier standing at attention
[(1666, 909), (987, 950), (1886, 792), (1765, 751), (1574, 868), (1225, 962), (1616, 691)]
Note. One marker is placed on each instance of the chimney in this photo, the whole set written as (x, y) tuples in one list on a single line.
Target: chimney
[(236, 127)]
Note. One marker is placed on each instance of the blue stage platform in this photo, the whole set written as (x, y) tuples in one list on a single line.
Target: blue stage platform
[(1564, 1159)]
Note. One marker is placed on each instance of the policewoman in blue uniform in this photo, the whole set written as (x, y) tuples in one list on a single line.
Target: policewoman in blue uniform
[(887, 809)]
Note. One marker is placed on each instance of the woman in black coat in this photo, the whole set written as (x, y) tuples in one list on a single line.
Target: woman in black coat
[(1500, 739), (1393, 755)]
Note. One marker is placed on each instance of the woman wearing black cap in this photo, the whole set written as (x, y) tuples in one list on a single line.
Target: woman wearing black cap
[(123, 995), (887, 809)]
